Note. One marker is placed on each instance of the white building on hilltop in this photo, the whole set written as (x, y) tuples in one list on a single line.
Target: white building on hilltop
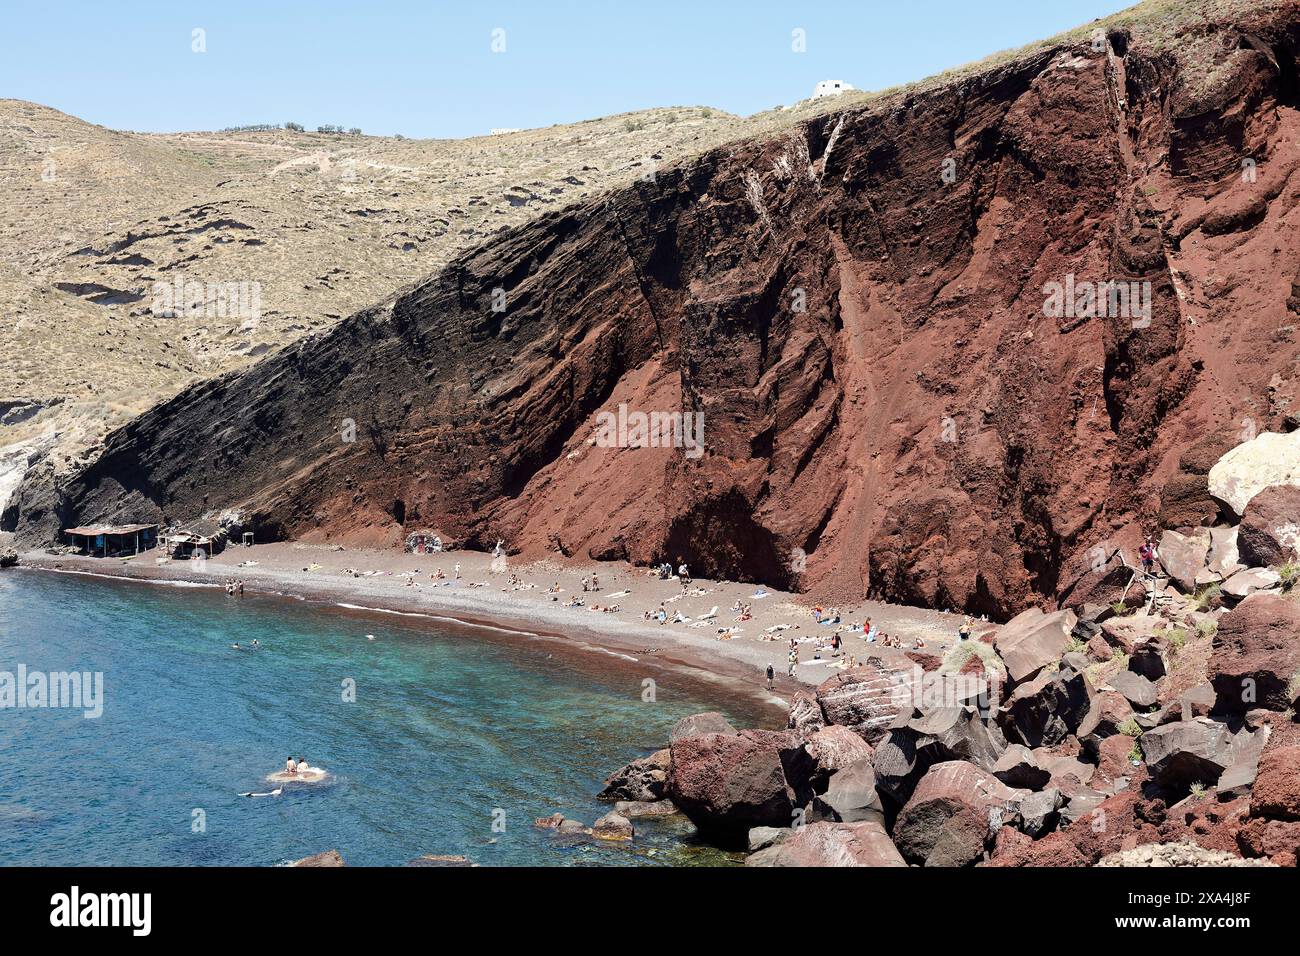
[(831, 88)]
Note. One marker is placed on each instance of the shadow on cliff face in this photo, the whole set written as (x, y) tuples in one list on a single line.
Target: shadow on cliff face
[(719, 538)]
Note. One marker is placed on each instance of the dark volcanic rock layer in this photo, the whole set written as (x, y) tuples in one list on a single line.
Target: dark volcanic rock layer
[(856, 308)]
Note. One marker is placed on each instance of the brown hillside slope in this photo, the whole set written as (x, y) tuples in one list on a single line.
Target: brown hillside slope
[(920, 428)]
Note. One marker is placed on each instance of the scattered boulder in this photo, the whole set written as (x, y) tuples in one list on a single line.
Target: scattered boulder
[(642, 780), (637, 809), (1183, 556), (1224, 558), (561, 824), (1238, 780), (958, 733), (613, 826), (1081, 805), (1271, 458), (1269, 533), (1255, 654), (1039, 812), (1245, 583), (1125, 633), (1019, 768), (760, 838), (328, 858), (1277, 787), (831, 844), (1048, 708), (822, 754), (1135, 688), (710, 722), (850, 797), (1110, 709), (728, 784), (1031, 640), (869, 697), (8, 558), (954, 812), (1190, 752)]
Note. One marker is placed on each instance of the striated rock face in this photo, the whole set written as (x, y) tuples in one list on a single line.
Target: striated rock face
[(860, 308)]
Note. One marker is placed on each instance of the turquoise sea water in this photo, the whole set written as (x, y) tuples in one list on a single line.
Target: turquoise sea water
[(449, 724)]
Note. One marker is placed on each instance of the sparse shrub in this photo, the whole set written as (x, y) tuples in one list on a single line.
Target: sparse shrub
[(1119, 608), (1135, 754), (294, 127), (1207, 627), (1076, 645), (1177, 638), (1206, 596), (706, 113), (633, 126), (1130, 728), (1198, 790), (1289, 573)]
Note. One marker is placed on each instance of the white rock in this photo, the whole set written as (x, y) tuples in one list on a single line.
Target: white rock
[(1271, 458), (1247, 582)]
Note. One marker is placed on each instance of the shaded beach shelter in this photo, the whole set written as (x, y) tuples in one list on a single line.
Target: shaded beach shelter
[(106, 541)]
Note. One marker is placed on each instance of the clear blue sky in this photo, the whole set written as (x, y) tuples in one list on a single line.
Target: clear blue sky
[(426, 67)]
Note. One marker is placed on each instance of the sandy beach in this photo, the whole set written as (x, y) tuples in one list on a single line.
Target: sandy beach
[(707, 627)]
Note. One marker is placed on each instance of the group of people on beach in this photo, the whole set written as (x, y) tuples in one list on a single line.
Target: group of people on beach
[(234, 587)]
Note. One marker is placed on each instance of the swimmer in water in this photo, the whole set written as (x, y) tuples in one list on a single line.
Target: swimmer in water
[(290, 766), (303, 766), (235, 646)]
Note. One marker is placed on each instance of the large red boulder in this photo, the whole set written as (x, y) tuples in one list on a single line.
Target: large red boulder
[(832, 844), (729, 783), (953, 814), (1277, 786), (1269, 533), (1256, 654), (1031, 640)]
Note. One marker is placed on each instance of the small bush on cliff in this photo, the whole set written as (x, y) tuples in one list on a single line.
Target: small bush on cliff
[(1130, 728), (1177, 638), (1206, 596), (1207, 627), (1289, 573), (1119, 608)]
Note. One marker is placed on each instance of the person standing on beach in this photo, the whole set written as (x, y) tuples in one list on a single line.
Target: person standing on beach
[(457, 571), (771, 675)]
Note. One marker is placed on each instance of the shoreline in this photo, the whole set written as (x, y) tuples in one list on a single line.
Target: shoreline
[(374, 582)]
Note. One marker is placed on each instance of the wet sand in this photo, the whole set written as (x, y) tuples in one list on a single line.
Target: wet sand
[(518, 595)]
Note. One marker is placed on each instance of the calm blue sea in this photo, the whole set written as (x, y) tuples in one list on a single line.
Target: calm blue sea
[(449, 725)]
